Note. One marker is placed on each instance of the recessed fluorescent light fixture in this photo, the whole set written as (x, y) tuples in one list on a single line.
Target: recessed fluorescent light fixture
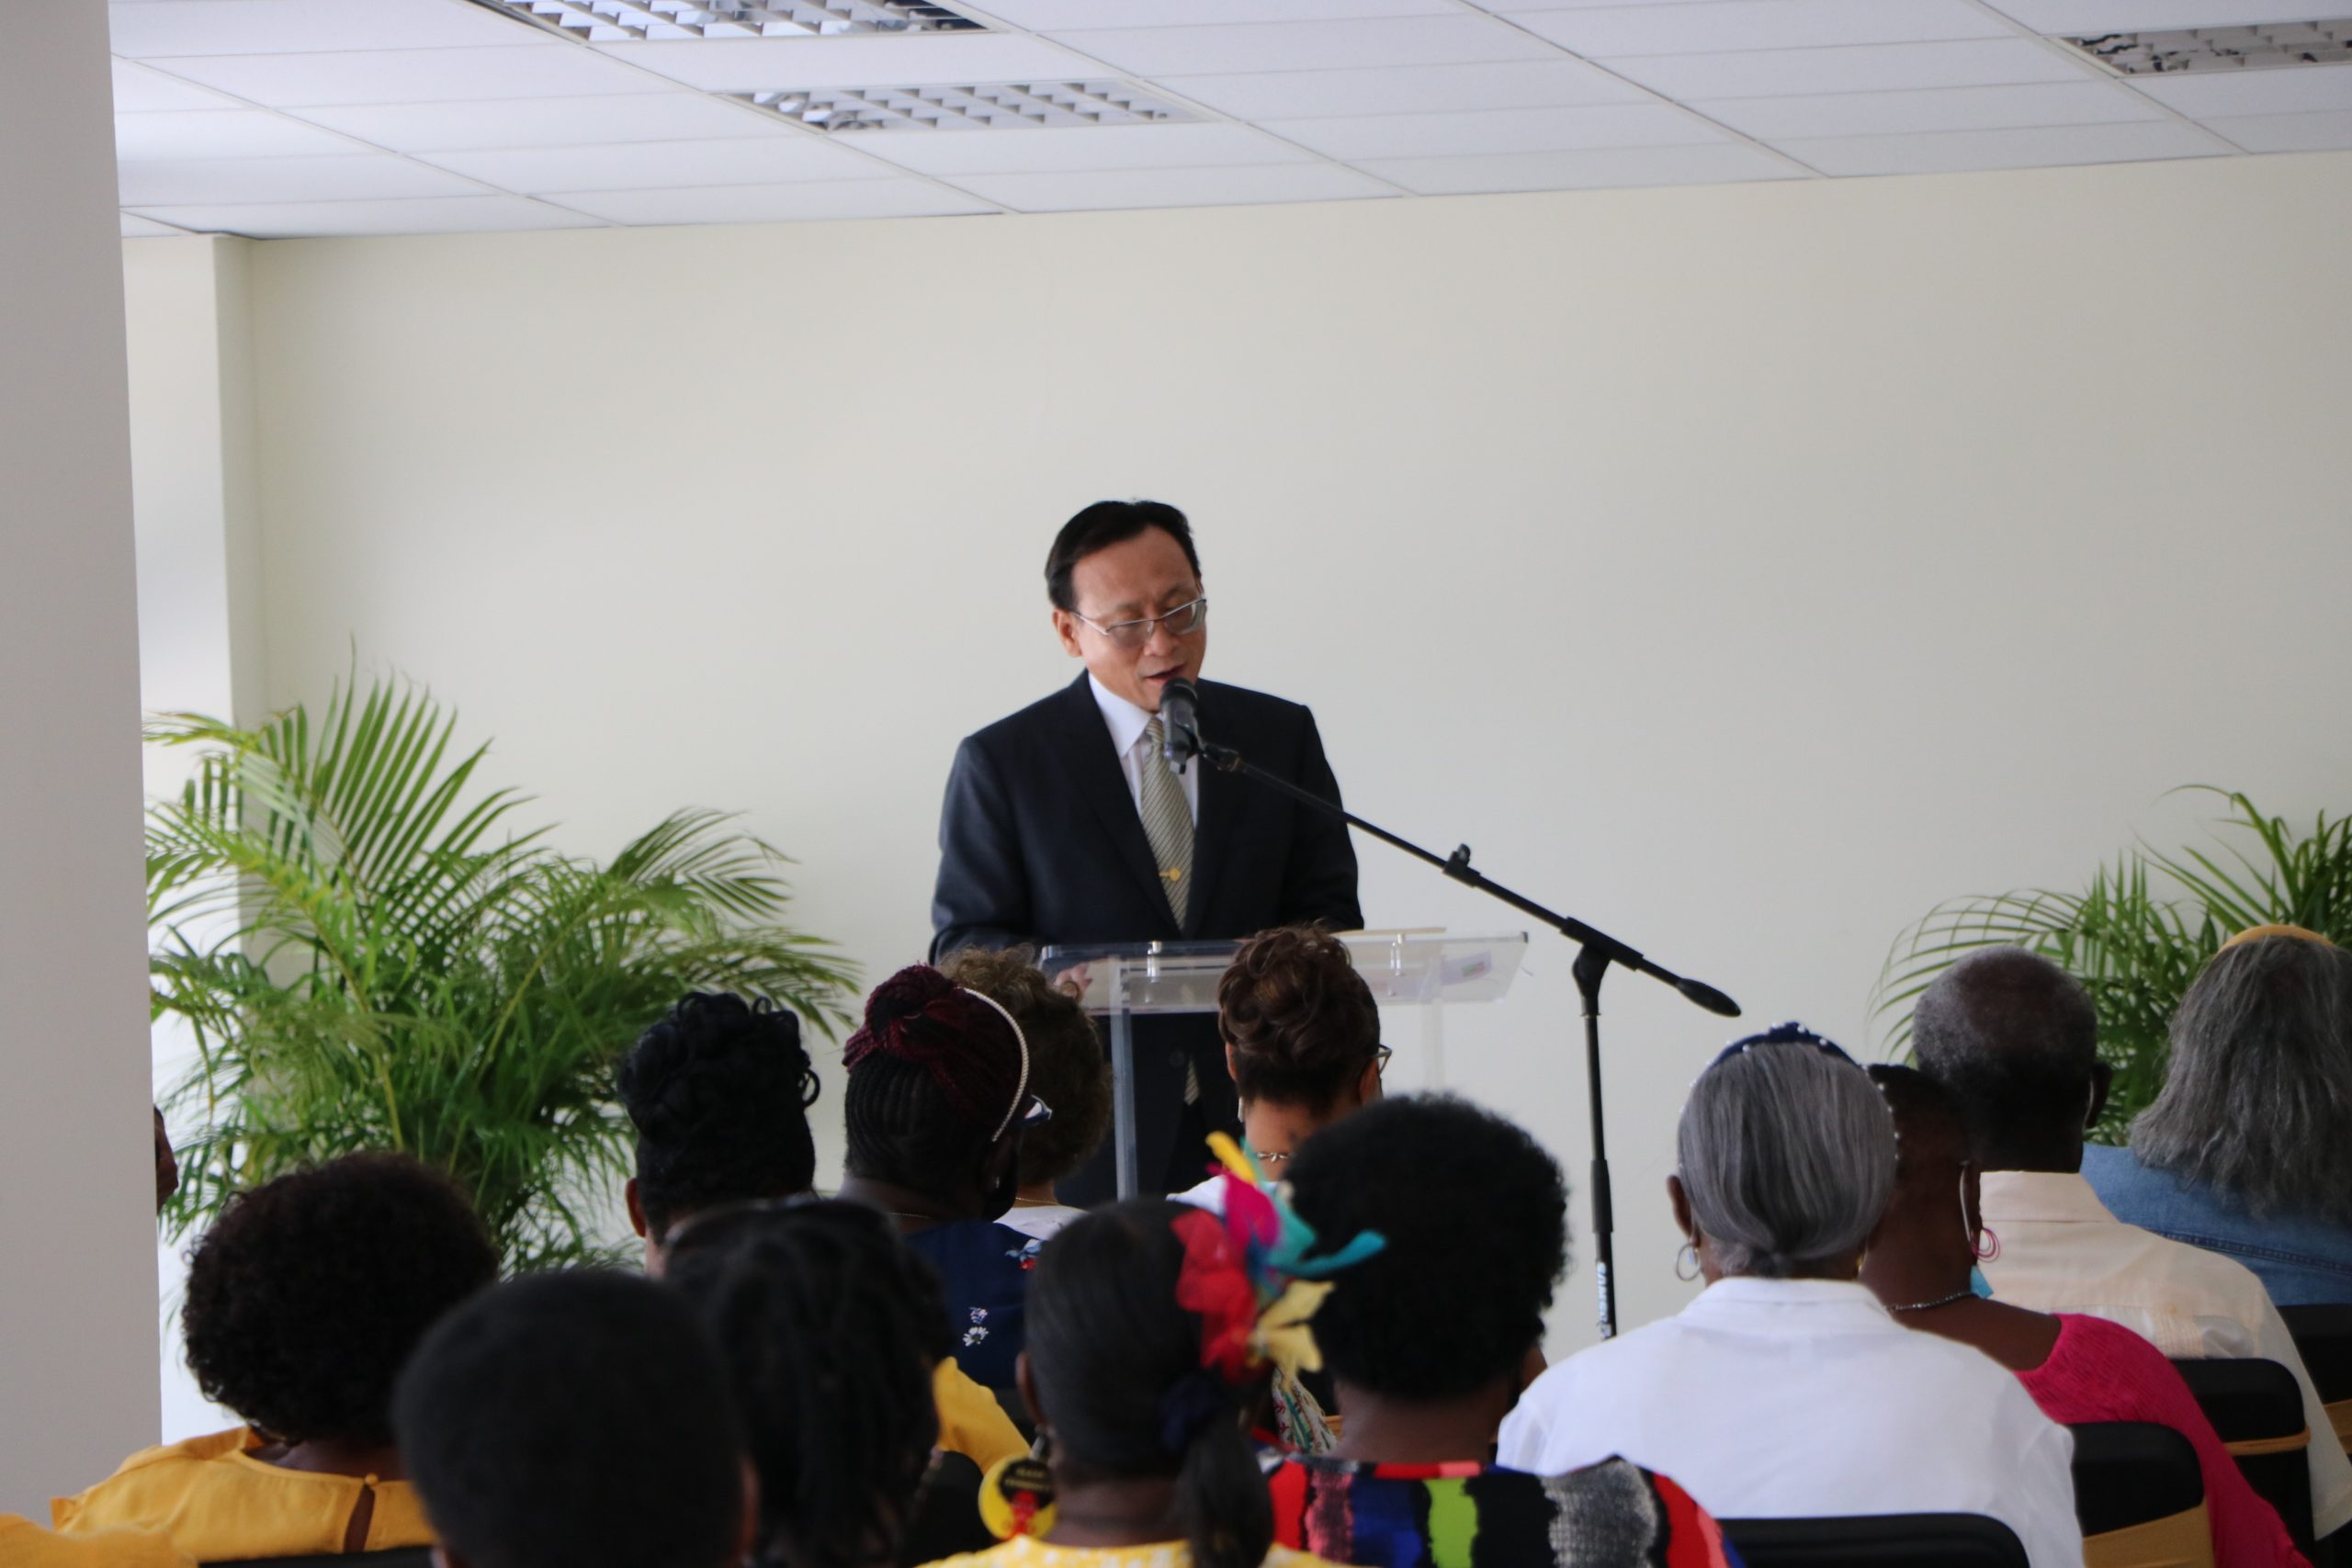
[(637, 21), (990, 105), (2223, 49)]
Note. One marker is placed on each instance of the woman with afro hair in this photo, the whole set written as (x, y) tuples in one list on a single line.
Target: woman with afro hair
[(303, 1302), (939, 1096)]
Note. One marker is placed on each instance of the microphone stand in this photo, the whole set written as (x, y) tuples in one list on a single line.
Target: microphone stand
[(1596, 952)]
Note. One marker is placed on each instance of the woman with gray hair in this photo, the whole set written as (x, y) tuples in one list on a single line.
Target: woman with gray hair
[(1785, 1389), (2248, 1149)]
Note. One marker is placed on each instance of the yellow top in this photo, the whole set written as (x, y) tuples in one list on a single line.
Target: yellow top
[(1027, 1552), (971, 1422), (216, 1500), (24, 1544)]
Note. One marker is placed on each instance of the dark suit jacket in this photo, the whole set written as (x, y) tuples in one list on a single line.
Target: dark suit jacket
[(1041, 843)]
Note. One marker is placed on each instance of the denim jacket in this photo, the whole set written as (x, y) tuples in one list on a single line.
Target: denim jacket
[(2302, 1260)]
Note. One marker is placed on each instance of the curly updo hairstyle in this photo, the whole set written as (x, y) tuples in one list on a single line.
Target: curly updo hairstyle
[(309, 1293), (1067, 1070), (1116, 1366), (718, 1091), (1460, 1194), (830, 1325), (1301, 1021), (934, 1075)]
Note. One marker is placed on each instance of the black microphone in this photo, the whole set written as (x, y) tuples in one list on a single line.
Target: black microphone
[(1707, 997), (1180, 725)]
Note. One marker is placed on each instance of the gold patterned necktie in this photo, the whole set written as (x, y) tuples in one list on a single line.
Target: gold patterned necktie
[(1166, 822)]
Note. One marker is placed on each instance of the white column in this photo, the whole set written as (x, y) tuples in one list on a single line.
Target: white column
[(77, 1348)]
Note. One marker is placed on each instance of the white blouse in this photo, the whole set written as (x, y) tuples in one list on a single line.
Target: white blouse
[(1804, 1398)]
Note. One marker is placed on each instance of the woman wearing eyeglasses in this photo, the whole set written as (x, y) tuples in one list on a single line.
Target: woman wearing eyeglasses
[(1785, 1389), (937, 1102)]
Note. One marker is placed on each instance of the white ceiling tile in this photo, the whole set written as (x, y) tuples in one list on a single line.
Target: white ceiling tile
[(137, 227), (1720, 164), (222, 133), (1601, 31), (1087, 148), (1309, 46), (2287, 133), (158, 29), (213, 182), (2284, 89), (1356, 137), (416, 75), (138, 90), (1175, 188), (735, 66), (442, 215), (1312, 94), (895, 196), (634, 165), (1050, 15), (1773, 72), (1931, 108), (1948, 150), (677, 115), (2085, 18)]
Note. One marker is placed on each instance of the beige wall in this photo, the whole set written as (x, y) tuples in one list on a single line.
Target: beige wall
[(1742, 569), (78, 1370)]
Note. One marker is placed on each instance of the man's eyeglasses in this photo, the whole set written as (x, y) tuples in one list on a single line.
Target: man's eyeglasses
[(1181, 621)]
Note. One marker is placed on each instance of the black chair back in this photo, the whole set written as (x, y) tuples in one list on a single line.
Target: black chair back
[(2257, 1408), (2323, 1336), (396, 1557), (2128, 1472), (1877, 1540)]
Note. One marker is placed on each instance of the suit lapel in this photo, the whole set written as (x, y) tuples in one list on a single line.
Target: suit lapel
[(1220, 799), (1093, 771)]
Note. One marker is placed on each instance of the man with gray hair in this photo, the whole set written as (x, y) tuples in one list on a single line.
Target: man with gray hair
[(2016, 1038)]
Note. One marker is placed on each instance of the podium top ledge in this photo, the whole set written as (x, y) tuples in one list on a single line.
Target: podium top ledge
[(1402, 967)]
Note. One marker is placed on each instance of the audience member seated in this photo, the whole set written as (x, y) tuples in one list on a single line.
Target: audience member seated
[(718, 1091), (1067, 1070), (577, 1420), (938, 1101), (24, 1544), (302, 1302), (2078, 1368), (1302, 1041), (1426, 1370), (2015, 1038), (1146, 1346), (1785, 1389), (832, 1327), (2248, 1149)]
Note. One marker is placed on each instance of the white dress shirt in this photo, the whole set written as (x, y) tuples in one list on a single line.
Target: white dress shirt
[(1801, 1399), (1127, 722), (2061, 1251)]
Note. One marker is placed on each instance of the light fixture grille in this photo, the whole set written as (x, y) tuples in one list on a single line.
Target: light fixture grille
[(2223, 49), (987, 106), (633, 21)]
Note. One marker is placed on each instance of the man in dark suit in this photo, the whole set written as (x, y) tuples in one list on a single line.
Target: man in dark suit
[(1063, 824)]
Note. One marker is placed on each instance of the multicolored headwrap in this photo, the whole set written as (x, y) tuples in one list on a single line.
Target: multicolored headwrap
[(1248, 1274)]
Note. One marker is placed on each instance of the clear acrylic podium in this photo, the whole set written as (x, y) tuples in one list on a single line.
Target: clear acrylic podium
[(1420, 968)]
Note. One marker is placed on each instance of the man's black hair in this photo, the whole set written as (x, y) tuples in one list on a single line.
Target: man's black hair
[(575, 1420), (1476, 1213), (719, 1090), (310, 1290), (830, 1325), (2016, 1039), (1102, 525)]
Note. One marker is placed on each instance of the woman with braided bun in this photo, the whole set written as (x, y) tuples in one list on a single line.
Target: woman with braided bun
[(938, 1098), (1146, 1350)]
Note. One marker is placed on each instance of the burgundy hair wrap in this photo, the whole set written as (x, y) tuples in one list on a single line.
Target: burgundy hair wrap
[(918, 1016)]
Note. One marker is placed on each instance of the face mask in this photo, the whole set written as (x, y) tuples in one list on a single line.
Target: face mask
[(1977, 1284)]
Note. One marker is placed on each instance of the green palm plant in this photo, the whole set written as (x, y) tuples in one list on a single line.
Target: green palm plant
[(2137, 934), (370, 953)]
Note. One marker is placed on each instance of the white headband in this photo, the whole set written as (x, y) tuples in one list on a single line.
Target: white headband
[(1021, 1090)]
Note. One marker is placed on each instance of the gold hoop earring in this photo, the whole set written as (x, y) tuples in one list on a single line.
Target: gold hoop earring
[(1690, 1253)]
